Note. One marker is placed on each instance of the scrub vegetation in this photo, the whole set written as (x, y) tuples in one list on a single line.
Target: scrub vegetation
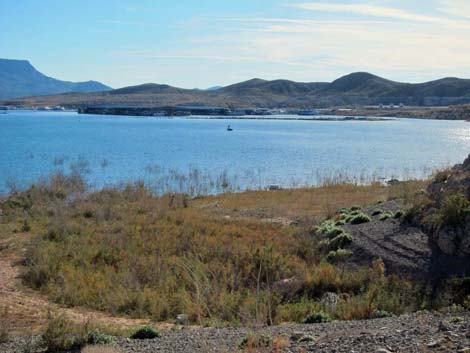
[(222, 259)]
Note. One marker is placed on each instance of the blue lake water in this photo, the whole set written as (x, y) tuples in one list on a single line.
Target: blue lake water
[(255, 154)]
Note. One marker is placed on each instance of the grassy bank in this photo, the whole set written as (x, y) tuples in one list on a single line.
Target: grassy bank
[(219, 259)]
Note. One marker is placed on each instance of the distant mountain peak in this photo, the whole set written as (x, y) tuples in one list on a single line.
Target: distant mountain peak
[(18, 78)]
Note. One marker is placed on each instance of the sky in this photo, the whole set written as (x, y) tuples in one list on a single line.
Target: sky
[(204, 43)]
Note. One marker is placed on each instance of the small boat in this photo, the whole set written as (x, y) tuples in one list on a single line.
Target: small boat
[(229, 128)]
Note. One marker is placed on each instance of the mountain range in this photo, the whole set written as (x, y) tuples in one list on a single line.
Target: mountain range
[(360, 88), (18, 78)]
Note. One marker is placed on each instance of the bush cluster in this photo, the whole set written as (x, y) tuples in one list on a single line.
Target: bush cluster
[(145, 333)]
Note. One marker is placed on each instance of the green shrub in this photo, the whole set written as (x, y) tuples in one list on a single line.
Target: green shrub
[(61, 335), (96, 337), (385, 216), (338, 255), (454, 210), (398, 214), (307, 339), (254, 340), (329, 228), (360, 218), (334, 231), (145, 333), (296, 311), (377, 212), (340, 241), (415, 211), (317, 317), (381, 314)]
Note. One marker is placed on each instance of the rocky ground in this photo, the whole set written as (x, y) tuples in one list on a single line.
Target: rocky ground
[(403, 248), (420, 332)]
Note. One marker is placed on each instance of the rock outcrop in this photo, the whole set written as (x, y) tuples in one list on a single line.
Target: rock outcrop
[(446, 216)]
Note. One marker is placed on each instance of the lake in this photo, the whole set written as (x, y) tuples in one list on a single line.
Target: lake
[(112, 150)]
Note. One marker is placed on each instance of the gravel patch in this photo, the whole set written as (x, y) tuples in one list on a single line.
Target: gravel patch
[(419, 332)]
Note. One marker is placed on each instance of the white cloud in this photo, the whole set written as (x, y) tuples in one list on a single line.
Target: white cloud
[(457, 8), (366, 10), (391, 42)]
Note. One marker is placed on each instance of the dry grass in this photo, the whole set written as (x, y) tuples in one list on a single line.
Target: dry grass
[(295, 204), (155, 257), (262, 343)]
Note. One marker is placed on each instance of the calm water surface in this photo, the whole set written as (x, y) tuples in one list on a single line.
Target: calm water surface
[(118, 149)]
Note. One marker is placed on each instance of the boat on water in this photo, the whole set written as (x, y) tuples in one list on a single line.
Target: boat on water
[(3, 110), (229, 128)]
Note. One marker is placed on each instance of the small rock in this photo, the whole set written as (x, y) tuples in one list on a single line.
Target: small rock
[(296, 336), (434, 344), (382, 350), (307, 338), (443, 326), (182, 319), (464, 350)]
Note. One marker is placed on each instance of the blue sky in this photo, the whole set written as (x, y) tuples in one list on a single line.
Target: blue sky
[(207, 42)]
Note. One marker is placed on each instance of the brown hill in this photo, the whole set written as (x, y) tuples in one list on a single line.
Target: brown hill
[(355, 89)]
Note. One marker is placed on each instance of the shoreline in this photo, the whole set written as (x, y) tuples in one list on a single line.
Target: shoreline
[(284, 119)]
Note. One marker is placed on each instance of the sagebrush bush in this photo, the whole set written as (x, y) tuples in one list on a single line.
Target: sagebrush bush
[(256, 340), (340, 241), (338, 255), (145, 333), (329, 228), (317, 318), (96, 337), (398, 214), (377, 212), (454, 210), (296, 311), (61, 334), (360, 218), (385, 216)]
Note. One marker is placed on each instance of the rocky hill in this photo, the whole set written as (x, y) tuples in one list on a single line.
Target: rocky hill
[(355, 89), (446, 212), (429, 239), (18, 78)]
